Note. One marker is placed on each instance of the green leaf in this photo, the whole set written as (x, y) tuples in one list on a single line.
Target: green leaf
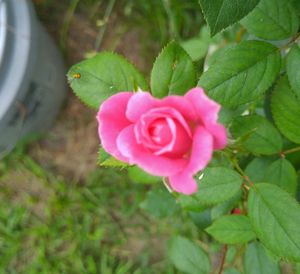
[(225, 207), (217, 185), (173, 72), (286, 110), (296, 5), (220, 14), (102, 155), (272, 20), (214, 57), (191, 203), (256, 169), (197, 47), (293, 69), (256, 261), (231, 254), (113, 162), (104, 159), (260, 136), (188, 256), (242, 74), (140, 176), (220, 159), (232, 229), (283, 174), (201, 219), (105, 74), (275, 218), (231, 271), (159, 203)]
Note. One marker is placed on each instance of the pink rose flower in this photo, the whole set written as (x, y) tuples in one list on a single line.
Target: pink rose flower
[(173, 137)]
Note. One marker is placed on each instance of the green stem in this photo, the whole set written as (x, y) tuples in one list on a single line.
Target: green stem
[(102, 29), (292, 41), (243, 174), (67, 22), (292, 150), (173, 29)]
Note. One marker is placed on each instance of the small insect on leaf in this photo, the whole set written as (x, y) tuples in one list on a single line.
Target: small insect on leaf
[(76, 75)]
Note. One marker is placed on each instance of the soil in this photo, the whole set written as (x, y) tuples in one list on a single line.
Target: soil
[(70, 149)]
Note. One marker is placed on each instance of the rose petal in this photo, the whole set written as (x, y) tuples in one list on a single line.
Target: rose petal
[(182, 105), (202, 150), (169, 146), (145, 102), (112, 120), (137, 154), (220, 136), (180, 129), (139, 104), (183, 183), (207, 111), (167, 112)]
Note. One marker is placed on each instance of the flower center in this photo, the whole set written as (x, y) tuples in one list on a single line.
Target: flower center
[(160, 132)]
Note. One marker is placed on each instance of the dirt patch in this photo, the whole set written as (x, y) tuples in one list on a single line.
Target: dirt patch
[(70, 149), (23, 187)]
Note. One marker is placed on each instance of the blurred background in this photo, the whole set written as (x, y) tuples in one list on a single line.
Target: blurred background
[(59, 212)]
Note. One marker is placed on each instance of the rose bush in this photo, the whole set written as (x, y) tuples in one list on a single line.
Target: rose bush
[(173, 132), (172, 137)]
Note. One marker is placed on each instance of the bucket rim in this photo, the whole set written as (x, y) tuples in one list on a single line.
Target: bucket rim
[(15, 58)]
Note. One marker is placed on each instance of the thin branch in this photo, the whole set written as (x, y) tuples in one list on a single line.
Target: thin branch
[(244, 175), (292, 150), (292, 41), (225, 248)]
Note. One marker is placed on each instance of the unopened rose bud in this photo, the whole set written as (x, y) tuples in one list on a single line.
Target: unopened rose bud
[(236, 211)]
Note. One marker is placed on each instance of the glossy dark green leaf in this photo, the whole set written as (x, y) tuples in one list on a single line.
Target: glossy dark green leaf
[(242, 73), (272, 20), (220, 14)]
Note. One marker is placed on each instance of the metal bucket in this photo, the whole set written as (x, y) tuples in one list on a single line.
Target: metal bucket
[(32, 74)]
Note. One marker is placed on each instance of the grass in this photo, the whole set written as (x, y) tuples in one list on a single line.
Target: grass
[(48, 225)]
